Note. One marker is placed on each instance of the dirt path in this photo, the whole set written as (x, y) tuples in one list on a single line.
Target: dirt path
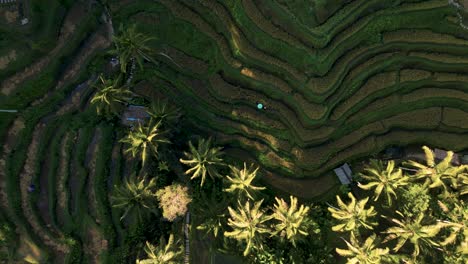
[(74, 17), (62, 172), (95, 245), (90, 163)]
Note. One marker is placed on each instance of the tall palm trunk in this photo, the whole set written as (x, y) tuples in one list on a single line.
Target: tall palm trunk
[(132, 70), (187, 240)]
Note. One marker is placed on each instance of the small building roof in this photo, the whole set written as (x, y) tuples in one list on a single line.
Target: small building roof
[(344, 174), (134, 114)]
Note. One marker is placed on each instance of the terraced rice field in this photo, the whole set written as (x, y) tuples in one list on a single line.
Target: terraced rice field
[(341, 86), (339, 82)]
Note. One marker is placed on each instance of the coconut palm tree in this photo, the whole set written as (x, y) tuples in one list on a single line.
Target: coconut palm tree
[(131, 45), (203, 160), (109, 96), (353, 216), (135, 195), (248, 224), (145, 139), (241, 182), (387, 180), (456, 220), (164, 253), (421, 236), (436, 175), (212, 210), (366, 253), (293, 221), (162, 111)]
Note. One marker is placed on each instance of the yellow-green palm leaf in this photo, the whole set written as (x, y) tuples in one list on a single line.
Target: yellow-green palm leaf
[(367, 253), (248, 224), (353, 216), (144, 140), (412, 230), (240, 182), (387, 180), (164, 253), (203, 160), (292, 220), (110, 96)]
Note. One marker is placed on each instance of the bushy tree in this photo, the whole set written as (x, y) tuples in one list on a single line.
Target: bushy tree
[(173, 200)]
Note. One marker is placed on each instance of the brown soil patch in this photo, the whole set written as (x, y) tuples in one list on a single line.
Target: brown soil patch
[(63, 170), (5, 60), (94, 245), (91, 156), (11, 16)]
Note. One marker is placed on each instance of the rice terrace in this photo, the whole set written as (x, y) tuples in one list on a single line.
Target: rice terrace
[(234, 131)]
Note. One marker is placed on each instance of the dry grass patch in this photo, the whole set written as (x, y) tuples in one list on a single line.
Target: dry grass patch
[(5, 60), (411, 75), (455, 117)]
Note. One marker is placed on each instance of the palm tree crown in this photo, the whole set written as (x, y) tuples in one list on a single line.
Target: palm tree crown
[(366, 253), (164, 253), (241, 181), (293, 220), (352, 216), (167, 113), (436, 174), (109, 96), (413, 230), (387, 180), (248, 224), (131, 45), (135, 195), (144, 139), (203, 160)]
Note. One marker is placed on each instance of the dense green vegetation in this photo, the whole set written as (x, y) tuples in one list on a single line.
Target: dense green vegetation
[(200, 174)]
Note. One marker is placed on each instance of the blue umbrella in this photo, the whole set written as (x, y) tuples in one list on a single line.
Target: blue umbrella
[(260, 106)]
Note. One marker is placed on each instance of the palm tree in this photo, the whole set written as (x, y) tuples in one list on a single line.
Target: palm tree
[(456, 219), (248, 224), (135, 195), (293, 221), (109, 96), (203, 160), (241, 182), (366, 253), (165, 253), (212, 209), (436, 174), (387, 180), (421, 236), (144, 139), (167, 113), (352, 216), (131, 45)]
